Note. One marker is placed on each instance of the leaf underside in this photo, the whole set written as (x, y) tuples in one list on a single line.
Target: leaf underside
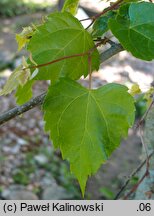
[(136, 30), (82, 123)]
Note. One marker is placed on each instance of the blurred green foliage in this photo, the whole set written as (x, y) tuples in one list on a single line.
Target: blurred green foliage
[(141, 106), (107, 193), (60, 171), (134, 180), (1, 189), (55, 166), (20, 177), (9, 8)]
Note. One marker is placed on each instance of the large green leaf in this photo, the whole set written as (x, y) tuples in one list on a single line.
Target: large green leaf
[(87, 125), (62, 35), (135, 30), (71, 6)]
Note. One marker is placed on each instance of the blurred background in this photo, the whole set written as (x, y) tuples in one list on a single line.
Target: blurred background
[(29, 166)]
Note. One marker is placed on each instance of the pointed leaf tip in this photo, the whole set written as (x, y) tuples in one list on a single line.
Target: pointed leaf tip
[(71, 6), (82, 123)]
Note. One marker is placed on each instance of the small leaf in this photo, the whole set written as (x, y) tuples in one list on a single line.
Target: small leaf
[(135, 89), (25, 72), (23, 38), (12, 82), (82, 123), (24, 93), (101, 24), (22, 41), (135, 30), (148, 96), (71, 6), (62, 35), (18, 77)]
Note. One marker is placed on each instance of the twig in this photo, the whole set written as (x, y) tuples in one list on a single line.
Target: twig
[(147, 163), (136, 185), (130, 177), (144, 147), (93, 18), (16, 111), (145, 115), (146, 152), (113, 6), (10, 114), (115, 48), (146, 174)]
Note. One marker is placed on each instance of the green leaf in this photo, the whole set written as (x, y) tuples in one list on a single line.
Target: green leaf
[(23, 38), (101, 24), (12, 82), (24, 93), (24, 73), (82, 123), (71, 6), (135, 31), (18, 77), (62, 35), (132, 1)]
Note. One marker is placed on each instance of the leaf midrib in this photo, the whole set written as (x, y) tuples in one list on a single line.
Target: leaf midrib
[(69, 104)]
